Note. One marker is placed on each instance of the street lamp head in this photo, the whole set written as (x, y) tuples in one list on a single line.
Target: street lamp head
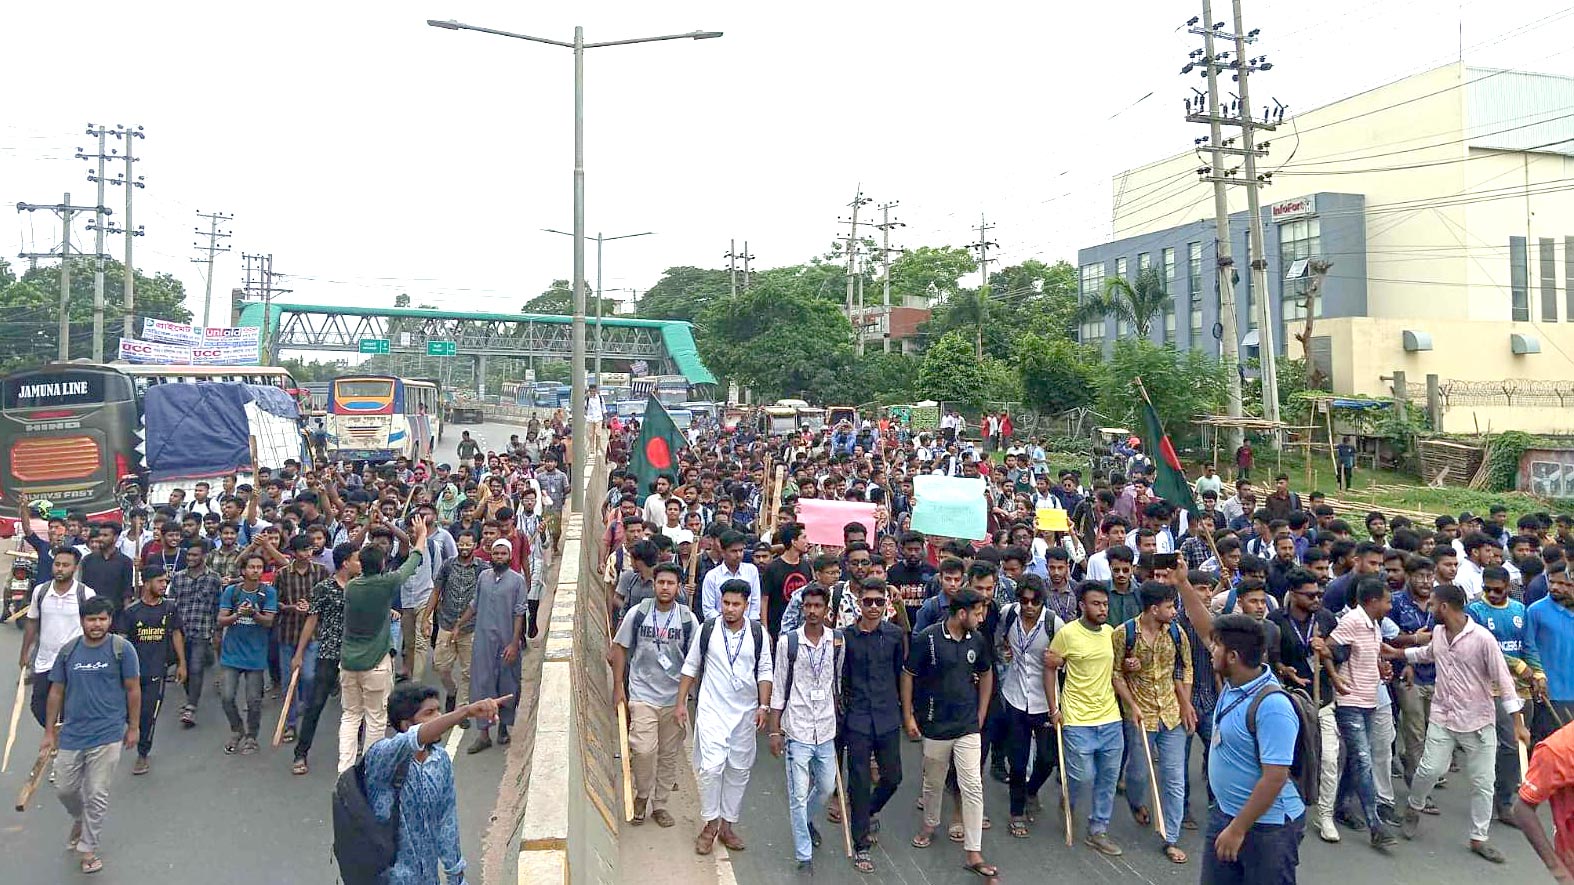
[(449, 25), (705, 35)]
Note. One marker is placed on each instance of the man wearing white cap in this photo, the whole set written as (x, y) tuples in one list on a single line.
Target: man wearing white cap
[(498, 611)]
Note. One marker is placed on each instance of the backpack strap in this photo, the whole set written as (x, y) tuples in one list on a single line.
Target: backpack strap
[(1268, 688), (1180, 662), (1229, 601), (706, 632), (836, 602), (1131, 635), (792, 659)]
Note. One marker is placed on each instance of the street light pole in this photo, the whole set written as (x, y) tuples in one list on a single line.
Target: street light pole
[(577, 353), (600, 239)]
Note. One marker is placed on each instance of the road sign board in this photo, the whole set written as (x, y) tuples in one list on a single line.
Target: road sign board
[(530, 376), (442, 348), (375, 345)]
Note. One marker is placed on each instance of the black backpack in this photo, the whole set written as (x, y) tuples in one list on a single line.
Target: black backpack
[(364, 846), (1308, 745)]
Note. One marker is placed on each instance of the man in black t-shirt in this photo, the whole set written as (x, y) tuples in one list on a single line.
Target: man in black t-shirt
[(152, 623), (786, 574), (946, 686)]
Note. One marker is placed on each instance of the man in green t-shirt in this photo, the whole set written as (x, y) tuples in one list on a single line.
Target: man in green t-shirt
[(365, 672)]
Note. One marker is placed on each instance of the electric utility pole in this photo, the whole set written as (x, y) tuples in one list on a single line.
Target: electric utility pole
[(732, 265), (65, 210), (99, 226), (859, 200), (983, 246), (885, 226), (213, 248), (746, 258), (131, 183), (259, 285), (1210, 110)]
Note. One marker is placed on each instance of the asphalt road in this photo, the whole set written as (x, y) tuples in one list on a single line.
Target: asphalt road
[(201, 815), (1438, 856)]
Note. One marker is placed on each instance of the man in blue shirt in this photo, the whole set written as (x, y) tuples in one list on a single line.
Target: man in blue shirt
[(246, 612), (1254, 828), (1549, 641), (94, 685)]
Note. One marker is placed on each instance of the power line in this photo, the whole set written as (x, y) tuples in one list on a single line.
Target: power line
[(215, 236)]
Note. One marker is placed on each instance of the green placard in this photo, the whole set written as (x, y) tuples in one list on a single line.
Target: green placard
[(375, 345), (442, 348)]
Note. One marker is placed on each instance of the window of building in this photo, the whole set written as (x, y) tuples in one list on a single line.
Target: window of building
[(1194, 289), (1091, 284), (1299, 240), (1549, 281), (1518, 280), (1169, 325), (1144, 261)]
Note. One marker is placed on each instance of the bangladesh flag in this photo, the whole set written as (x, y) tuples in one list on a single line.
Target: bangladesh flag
[(657, 451), (1169, 479)]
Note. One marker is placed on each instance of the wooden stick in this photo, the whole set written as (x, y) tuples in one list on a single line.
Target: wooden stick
[(1060, 749), (623, 751), (841, 800), (1317, 681), (1153, 785), (16, 716), (289, 698), (34, 778), (1524, 760)]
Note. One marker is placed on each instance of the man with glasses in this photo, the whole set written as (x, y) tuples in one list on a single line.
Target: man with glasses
[(1304, 626), (1024, 635)]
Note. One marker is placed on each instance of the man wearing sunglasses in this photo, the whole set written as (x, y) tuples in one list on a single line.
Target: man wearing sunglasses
[(875, 651), (1304, 626)]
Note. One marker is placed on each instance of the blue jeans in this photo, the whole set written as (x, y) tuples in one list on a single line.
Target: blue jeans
[(811, 779), (1168, 746), (1268, 855), (1355, 729), (1204, 737), (303, 689), (1093, 762)]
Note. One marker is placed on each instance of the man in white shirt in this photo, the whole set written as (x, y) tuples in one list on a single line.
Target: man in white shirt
[(730, 661), (803, 718), (655, 510), (1480, 552), (732, 567), (1209, 480), (53, 620)]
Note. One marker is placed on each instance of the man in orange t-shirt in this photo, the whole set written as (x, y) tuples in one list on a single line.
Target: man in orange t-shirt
[(1550, 777)]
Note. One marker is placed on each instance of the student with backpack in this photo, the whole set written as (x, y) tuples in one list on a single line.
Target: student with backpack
[(54, 618), (647, 665), (1154, 685), (94, 686), (803, 723), (731, 665), (395, 812)]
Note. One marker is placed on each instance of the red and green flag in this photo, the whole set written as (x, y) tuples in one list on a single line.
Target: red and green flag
[(1169, 478), (656, 453)]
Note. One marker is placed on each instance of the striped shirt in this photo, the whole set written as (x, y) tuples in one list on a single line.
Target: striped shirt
[(1365, 639)]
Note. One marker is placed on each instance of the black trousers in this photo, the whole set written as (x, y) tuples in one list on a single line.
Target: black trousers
[(322, 687), (1027, 732), (864, 799), (152, 698), (38, 702)]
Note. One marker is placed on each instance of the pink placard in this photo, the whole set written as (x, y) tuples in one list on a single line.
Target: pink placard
[(825, 519)]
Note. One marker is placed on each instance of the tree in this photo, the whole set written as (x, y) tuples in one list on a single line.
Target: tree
[(776, 339), (683, 293), (30, 310), (930, 272), (1138, 302), (952, 372), (874, 377), (1057, 374), (303, 371), (1183, 384), (1031, 297), (558, 300)]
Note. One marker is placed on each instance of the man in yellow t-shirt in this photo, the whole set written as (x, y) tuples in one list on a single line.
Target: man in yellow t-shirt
[(1088, 711)]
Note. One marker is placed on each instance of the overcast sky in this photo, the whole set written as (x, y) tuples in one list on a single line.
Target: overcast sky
[(372, 154)]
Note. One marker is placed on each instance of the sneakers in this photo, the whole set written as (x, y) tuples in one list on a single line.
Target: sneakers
[(1102, 843), (1352, 821), (1387, 815), (1326, 829), (662, 817), (140, 766)]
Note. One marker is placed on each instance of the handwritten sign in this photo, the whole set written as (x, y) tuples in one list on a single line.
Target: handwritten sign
[(1051, 519), (824, 520), (951, 506)]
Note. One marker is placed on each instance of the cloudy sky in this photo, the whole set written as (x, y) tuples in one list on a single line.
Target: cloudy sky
[(372, 154)]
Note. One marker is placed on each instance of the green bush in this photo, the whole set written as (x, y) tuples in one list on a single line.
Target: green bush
[(1503, 467)]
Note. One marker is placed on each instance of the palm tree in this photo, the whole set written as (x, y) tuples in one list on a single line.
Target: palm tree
[(1137, 302)]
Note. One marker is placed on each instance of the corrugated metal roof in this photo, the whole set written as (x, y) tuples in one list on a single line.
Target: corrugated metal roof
[(1519, 111)]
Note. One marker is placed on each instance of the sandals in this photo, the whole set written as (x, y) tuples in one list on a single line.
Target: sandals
[(924, 839), (298, 767), (706, 840), (640, 806), (862, 863), (1141, 815), (988, 871), (1175, 855), (956, 833), (233, 744), (91, 863), (1019, 827), (188, 717), (833, 813)]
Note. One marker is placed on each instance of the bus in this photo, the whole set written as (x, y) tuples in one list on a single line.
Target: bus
[(380, 418), (670, 390), (71, 431)]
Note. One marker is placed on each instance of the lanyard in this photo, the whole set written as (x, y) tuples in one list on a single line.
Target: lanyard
[(816, 659), (1219, 716), (1305, 638), (1027, 638), (661, 629), (732, 656)]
